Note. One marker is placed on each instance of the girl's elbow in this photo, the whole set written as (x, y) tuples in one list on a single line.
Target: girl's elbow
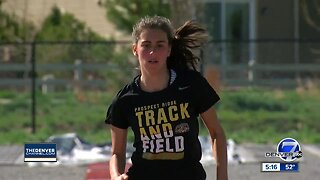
[(217, 133)]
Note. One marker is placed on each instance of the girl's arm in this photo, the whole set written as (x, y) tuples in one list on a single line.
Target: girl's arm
[(219, 144), (118, 152)]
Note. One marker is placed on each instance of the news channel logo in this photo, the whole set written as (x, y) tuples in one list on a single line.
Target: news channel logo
[(288, 150), (40, 152)]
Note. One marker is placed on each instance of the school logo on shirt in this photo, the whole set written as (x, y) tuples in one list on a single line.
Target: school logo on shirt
[(182, 128), (156, 131)]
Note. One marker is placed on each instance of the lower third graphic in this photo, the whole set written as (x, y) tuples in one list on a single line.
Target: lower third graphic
[(40, 152), (288, 150)]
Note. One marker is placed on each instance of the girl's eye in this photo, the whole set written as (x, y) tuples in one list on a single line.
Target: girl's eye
[(145, 45)]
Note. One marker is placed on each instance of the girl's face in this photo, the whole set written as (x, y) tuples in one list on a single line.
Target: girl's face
[(152, 50)]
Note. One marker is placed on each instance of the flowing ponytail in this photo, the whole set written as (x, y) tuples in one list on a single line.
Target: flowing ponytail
[(187, 38)]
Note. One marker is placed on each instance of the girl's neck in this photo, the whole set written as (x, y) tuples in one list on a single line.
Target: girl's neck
[(154, 82)]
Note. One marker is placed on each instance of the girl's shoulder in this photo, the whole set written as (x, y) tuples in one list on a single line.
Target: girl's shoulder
[(189, 75), (126, 90)]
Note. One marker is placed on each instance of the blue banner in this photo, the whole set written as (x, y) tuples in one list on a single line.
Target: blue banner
[(44, 152), (289, 167)]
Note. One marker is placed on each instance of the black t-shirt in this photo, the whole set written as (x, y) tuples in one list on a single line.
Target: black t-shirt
[(165, 125)]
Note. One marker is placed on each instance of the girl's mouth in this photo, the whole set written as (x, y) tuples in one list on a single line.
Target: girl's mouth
[(153, 61)]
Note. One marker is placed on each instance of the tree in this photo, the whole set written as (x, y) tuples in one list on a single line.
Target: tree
[(64, 39), (11, 30), (66, 28), (72, 40), (124, 13)]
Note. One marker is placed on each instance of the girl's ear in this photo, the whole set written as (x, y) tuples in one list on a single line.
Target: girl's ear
[(134, 49)]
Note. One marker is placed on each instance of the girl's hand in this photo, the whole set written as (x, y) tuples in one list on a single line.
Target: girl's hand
[(121, 177)]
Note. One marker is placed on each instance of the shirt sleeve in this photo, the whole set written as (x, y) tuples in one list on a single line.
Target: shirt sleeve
[(204, 95), (116, 113)]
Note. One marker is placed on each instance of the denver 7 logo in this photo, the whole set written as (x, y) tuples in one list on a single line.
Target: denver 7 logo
[(289, 149)]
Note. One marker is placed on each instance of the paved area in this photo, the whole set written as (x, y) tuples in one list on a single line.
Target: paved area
[(13, 167), (11, 155)]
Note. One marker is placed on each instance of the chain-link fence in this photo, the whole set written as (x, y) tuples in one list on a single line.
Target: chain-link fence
[(66, 65), (271, 63), (83, 73), (94, 65)]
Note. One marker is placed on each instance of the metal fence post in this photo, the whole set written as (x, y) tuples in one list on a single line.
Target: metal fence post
[(77, 75), (33, 86)]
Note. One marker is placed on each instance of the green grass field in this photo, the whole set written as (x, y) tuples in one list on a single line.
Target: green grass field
[(247, 115)]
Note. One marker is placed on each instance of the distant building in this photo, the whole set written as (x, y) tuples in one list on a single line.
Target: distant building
[(88, 11), (283, 21), (245, 24)]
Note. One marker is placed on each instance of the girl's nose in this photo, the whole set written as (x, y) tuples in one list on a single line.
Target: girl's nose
[(151, 52)]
